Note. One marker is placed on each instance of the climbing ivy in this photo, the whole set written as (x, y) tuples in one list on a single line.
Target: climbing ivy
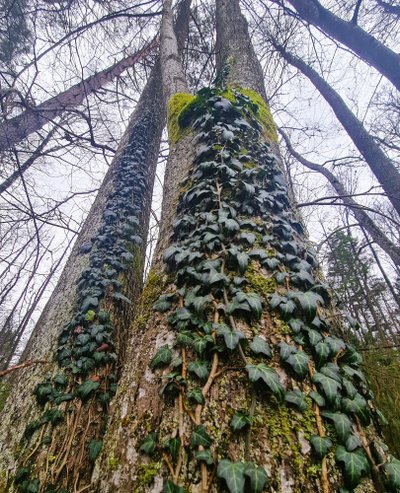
[(234, 223), (87, 346)]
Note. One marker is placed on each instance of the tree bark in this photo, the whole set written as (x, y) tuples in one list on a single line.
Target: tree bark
[(386, 61), (362, 217), (381, 166)]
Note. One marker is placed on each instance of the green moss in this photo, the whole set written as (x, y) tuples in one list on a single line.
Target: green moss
[(176, 104), (146, 475), (113, 462), (263, 114), (259, 282), (229, 95), (153, 288)]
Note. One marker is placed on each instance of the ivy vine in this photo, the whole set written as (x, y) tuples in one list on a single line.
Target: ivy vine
[(234, 215)]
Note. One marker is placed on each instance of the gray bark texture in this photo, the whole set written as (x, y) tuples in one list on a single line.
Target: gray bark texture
[(386, 61), (381, 166), (234, 46)]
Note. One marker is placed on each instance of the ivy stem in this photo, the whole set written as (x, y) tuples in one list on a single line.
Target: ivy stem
[(252, 409)]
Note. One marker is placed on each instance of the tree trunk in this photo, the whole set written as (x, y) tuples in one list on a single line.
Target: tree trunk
[(85, 322), (381, 166), (386, 61), (215, 394)]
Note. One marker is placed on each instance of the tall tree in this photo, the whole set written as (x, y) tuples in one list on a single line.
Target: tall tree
[(233, 366)]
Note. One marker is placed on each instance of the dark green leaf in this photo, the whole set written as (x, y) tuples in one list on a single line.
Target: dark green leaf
[(199, 368), (196, 395), (148, 445), (351, 357), (314, 337), (343, 424), (174, 446), (321, 445), (268, 376), (231, 337), (353, 442), (204, 456), (200, 437), (316, 397), (170, 487), (260, 346), (355, 464), (329, 386), (309, 302), (392, 470), (258, 477), (297, 398), (332, 370), (285, 350), (233, 474), (94, 449), (87, 388), (240, 420), (162, 304), (322, 352), (162, 357), (299, 363), (184, 338), (243, 261)]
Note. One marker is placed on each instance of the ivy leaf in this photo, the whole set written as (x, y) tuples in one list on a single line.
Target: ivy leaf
[(351, 357), (392, 470), (287, 308), (314, 337), (343, 424), (163, 304), (299, 363), (233, 474), (174, 445), (268, 376), (332, 370), (355, 464), (243, 261), (249, 302), (94, 449), (199, 368), (316, 397), (249, 237), (309, 302), (241, 420), (148, 445), (329, 386), (162, 357), (260, 346), (196, 395), (321, 445), (171, 487), (353, 442), (86, 389), (348, 386), (322, 352), (335, 344), (200, 437), (184, 338), (231, 337), (258, 477), (200, 344), (286, 350), (358, 406), (297, 398), (204, 456)]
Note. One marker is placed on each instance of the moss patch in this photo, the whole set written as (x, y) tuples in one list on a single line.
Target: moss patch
[(259, 282), (176, 104), (146, 475), (263, 114)]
